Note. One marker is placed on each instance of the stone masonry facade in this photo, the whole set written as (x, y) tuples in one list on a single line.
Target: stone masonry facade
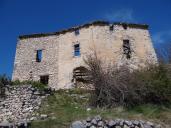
[(63, 51)]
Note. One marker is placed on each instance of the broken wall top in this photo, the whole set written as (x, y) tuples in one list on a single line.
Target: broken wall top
[(95, 23)]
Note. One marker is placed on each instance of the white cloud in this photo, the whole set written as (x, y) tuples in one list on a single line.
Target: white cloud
[(162, 37), (123, 15)]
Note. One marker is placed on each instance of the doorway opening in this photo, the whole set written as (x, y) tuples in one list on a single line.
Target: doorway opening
[(44, 79)]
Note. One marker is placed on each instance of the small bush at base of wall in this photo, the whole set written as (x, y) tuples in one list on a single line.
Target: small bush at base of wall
[(35, 84), (4, 80)]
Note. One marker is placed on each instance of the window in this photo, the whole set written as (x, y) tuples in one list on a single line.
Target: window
[(44, 79), (77, 50), (111, 27), (126, 49), (39, 56), (77, 32), (125, 26)]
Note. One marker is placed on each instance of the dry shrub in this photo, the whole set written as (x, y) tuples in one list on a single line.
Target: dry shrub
[(121, 87), (4, 80)]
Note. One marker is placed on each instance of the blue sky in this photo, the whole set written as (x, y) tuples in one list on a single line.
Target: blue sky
[(18, 17)]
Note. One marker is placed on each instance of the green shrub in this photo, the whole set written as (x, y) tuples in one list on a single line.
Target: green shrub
[(158, 83), (16, 82), (4, 80), (36, 84)]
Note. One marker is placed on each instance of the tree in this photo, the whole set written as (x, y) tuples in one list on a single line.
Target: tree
[(4, 80)]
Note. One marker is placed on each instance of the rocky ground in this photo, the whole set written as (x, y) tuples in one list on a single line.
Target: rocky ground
[(18, 106), (23, 104), (98, 122)]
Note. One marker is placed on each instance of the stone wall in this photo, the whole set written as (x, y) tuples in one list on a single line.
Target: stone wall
[(98, 122), (58, 51), (20, 103), (107, 44), (25, 65)]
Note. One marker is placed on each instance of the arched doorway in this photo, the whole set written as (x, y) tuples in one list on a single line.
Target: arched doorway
[(80, 74)]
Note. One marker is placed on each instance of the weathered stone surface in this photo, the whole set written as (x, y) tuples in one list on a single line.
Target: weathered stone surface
[(43, 116), (88, 125), (158, 126), (118, 127), (128, 123), (94, 122), (98, 122), (135, 122), (98, 118), (58, 60), (93, 126), (19, 105), (125, 126), (88, 119), (111, 123), (6, 124), (77, 124)]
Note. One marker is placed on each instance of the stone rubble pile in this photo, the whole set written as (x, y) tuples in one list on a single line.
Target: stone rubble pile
[(98, 122), (20, 103)]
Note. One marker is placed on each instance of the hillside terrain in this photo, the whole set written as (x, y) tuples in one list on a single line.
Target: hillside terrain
[(66, 106)]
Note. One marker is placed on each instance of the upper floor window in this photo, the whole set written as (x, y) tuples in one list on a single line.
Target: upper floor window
[(127, 49), (39, 56), (77, 50), (111, 27), (125, 26), (77, 32)]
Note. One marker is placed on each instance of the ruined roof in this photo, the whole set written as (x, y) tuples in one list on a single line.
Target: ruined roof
[(95, 23)]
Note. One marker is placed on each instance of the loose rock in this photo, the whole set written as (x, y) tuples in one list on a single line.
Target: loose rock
[(98, 122), (20, 103)]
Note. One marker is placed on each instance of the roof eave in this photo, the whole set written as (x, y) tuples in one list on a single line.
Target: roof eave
[(99, 23)]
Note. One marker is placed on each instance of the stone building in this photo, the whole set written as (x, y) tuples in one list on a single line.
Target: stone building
[(53, 57)]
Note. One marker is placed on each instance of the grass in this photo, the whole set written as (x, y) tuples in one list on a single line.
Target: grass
[(70, 105), (35, 84)]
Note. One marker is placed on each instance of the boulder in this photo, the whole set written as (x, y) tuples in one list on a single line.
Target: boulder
[(77, 124)]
